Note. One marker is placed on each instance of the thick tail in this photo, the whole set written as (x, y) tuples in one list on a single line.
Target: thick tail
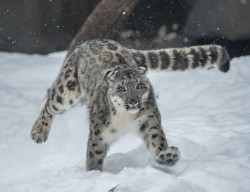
[(181, 59)]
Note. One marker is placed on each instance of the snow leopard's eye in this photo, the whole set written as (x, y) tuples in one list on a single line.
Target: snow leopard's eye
[(121, 89), (140, 85)]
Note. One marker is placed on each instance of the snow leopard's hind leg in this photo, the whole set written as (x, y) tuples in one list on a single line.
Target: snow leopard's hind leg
[(64, 93)]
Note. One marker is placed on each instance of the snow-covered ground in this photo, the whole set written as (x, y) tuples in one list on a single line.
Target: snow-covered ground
[(205, 113)]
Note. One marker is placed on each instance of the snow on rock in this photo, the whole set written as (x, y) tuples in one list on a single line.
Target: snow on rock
[(204, 112)]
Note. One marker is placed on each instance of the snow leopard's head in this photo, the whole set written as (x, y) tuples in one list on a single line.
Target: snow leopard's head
[(128, 88)]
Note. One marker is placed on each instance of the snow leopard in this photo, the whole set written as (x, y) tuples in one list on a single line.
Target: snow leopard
[(111, 80)]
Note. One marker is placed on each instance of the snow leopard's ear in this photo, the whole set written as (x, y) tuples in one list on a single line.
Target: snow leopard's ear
[(142, 69), (111, 75)]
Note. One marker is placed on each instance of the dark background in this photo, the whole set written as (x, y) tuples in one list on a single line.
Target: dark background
[(44, 26)]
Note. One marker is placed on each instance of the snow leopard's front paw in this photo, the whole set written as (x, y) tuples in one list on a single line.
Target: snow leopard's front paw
[(168, 157), (40, 131)]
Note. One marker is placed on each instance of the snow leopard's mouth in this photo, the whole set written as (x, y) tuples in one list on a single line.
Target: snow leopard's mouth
[(132, 108)]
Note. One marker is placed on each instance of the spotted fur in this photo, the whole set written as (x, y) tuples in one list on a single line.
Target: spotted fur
[(112, 82), (181, 59)]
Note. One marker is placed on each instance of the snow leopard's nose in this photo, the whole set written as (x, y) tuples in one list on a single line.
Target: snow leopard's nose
[(132, 102)]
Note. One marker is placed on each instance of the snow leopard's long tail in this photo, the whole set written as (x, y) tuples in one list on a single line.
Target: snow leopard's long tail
[(181, 59)]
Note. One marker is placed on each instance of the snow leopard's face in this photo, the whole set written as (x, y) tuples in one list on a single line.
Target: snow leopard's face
[(128, 90)]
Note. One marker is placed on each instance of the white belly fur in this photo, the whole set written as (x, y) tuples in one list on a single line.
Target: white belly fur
[(121, 123)]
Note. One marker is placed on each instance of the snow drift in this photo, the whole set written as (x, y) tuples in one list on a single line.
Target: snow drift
[(205, 113)]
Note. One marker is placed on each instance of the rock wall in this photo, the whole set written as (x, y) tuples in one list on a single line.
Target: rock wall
[(44, 26)]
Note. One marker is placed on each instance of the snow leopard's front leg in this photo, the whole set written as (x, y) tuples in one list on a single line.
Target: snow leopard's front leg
[(154, 137), (97, 147), (99, 122), (96, 152)]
